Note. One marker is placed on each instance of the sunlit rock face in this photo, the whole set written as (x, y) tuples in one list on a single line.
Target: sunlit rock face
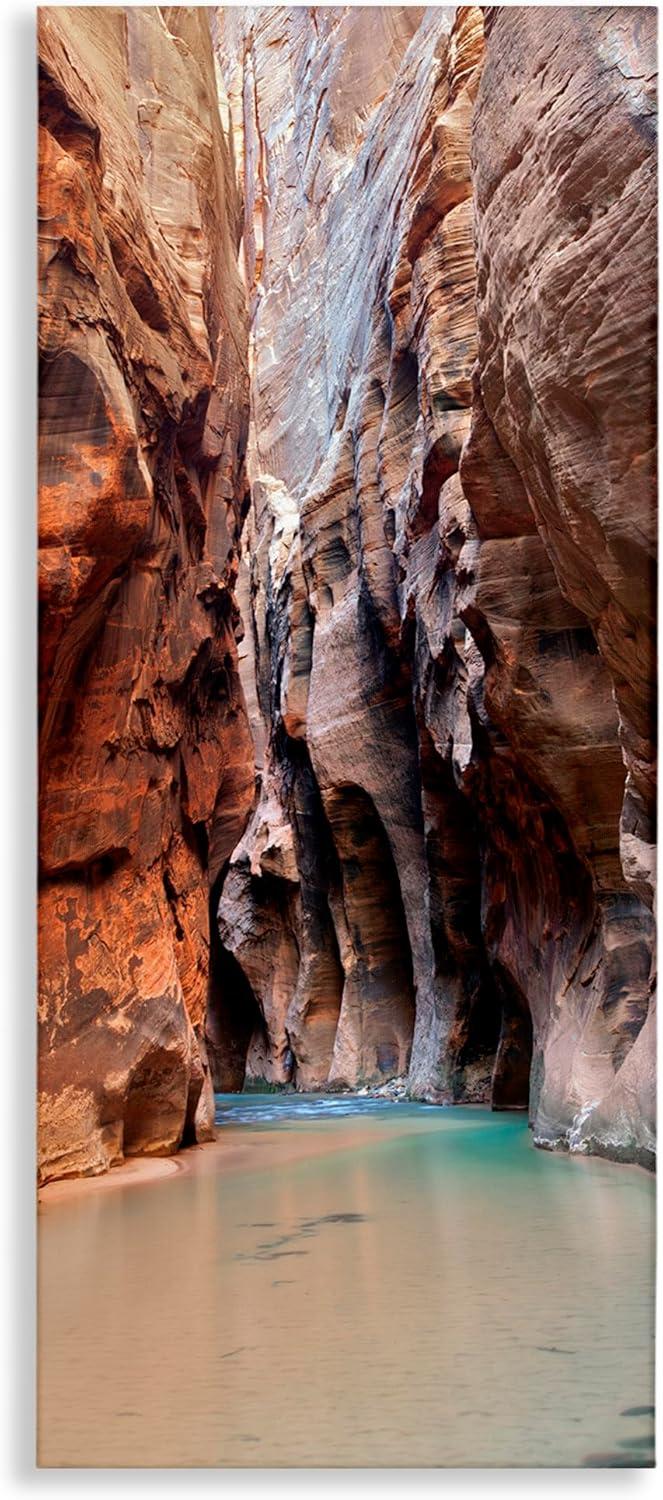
[(448, 253), (146, 762)]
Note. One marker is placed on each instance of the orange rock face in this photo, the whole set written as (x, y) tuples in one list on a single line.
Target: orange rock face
[(146, 763), (403, 261)]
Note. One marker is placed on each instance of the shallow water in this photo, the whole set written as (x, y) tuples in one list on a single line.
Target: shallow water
[(351, 1282)]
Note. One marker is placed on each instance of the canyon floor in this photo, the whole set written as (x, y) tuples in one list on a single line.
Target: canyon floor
[(413, 1286)]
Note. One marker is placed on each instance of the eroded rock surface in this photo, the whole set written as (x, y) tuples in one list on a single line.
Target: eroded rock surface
[(403, 261), (565, 195), (448, 250), (146, 762)]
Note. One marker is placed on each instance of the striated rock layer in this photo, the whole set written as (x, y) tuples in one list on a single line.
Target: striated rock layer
[(146, 762), (449, 253), (402, 262)]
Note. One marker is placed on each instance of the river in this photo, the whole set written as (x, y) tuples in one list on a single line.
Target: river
[(351, 1282)]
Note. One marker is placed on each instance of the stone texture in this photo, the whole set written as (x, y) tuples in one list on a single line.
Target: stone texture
[(403, 260), (565, 193), (449, 254), (146, 763)]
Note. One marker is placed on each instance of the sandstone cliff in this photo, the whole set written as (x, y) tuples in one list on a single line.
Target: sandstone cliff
[(388, 718), (448, 249), (146, 765)]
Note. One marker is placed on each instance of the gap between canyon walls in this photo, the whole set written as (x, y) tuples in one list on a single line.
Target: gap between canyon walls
[(448, 590), (346, 550)]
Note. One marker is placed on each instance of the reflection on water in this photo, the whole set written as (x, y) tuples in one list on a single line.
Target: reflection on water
[(370, 1284)]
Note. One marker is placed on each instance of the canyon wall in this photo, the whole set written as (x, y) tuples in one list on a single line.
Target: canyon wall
[(347, 538), (449, 249), (146, 762)]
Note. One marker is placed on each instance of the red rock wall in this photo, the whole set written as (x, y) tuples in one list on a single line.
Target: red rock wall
[(449, 252), (146, 763)]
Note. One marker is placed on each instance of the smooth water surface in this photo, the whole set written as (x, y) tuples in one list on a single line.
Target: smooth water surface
[(351, 1282)]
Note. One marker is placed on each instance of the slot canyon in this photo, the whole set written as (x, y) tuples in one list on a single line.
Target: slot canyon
[(347, 536)]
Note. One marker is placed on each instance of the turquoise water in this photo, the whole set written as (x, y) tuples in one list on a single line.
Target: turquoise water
[(353, 1282)]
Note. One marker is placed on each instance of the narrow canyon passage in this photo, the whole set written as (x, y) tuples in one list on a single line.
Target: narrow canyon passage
[(347, 544), (347, 547)]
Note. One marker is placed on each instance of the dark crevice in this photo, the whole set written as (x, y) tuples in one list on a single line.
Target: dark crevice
[(511, 1074), (234, 1016)]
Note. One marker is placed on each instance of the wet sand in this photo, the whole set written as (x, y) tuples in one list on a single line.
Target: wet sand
[(270, 1150)]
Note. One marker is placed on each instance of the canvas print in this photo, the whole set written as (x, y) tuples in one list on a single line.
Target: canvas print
[(347, 535)]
